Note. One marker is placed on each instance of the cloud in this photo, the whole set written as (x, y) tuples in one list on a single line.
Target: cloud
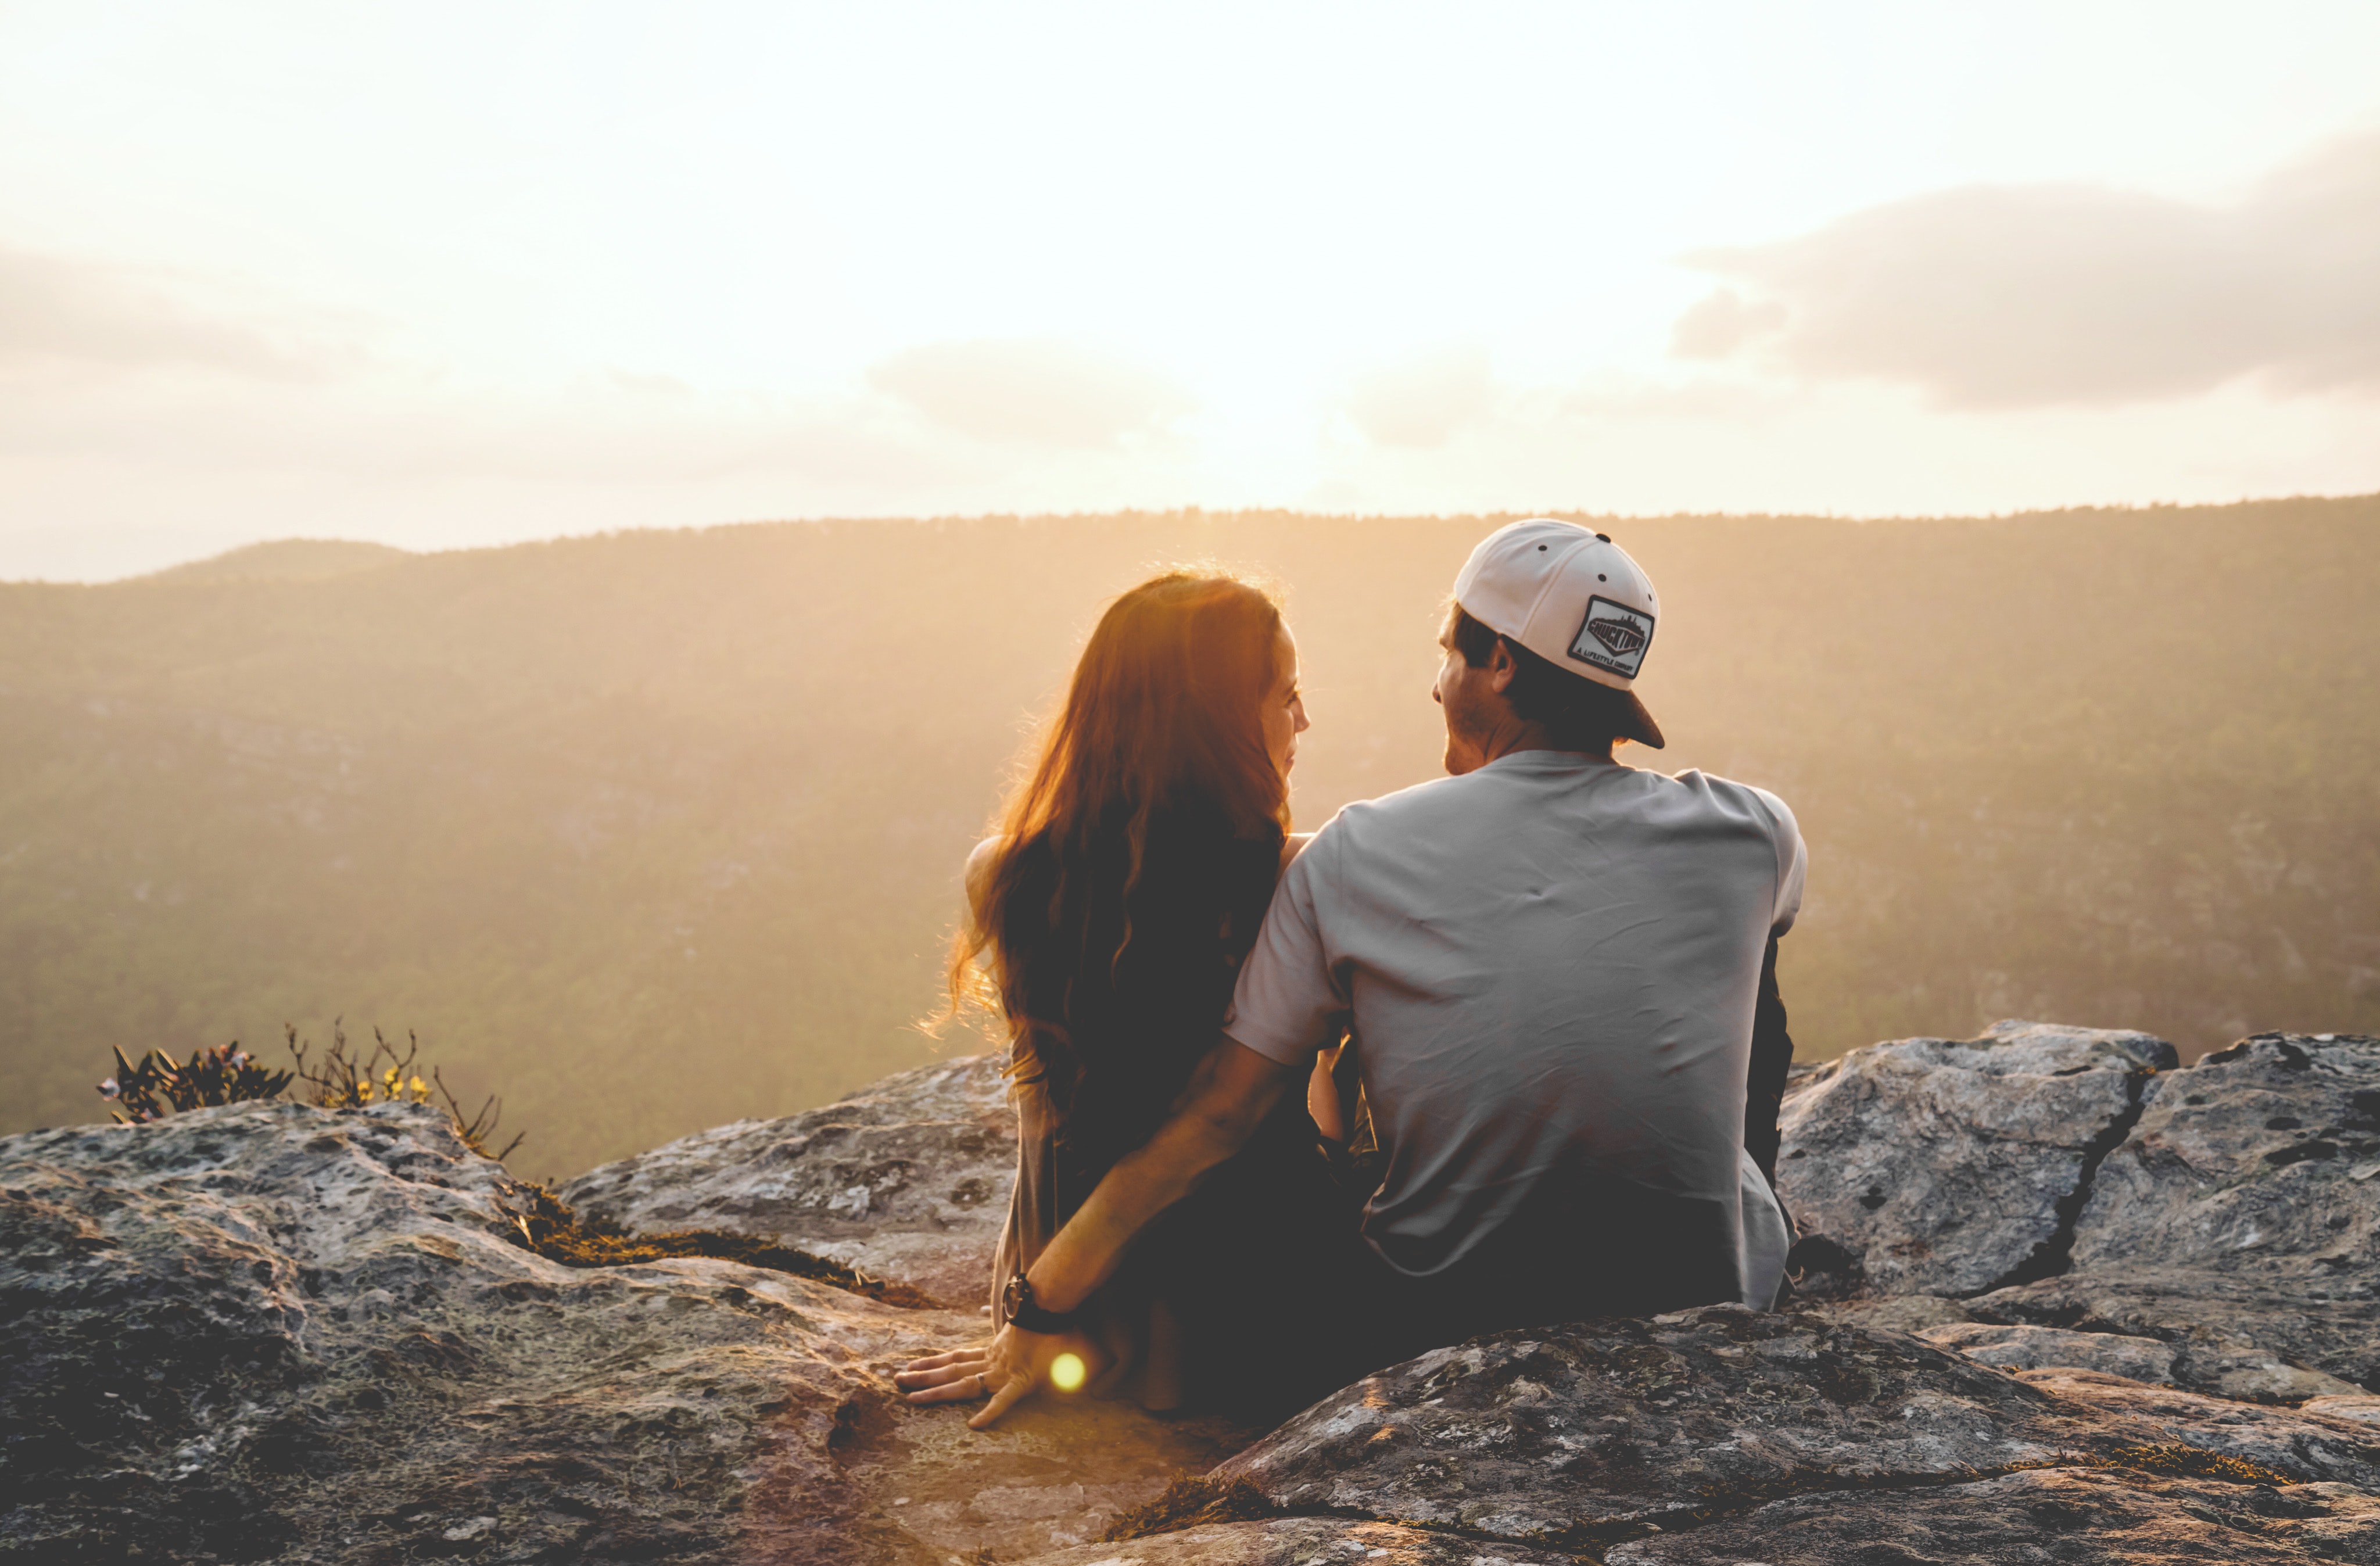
[(1999, 296), (1422, 401), (1031, 391), (54, 310)]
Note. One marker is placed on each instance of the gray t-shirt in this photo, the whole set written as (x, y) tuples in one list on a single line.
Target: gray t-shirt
[(1548, 964)]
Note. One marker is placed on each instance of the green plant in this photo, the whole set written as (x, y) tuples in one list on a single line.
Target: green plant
[(157, 1088)]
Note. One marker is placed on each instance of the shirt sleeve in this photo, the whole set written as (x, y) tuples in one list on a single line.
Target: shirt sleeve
[(1288, 1003), (1792, 863)]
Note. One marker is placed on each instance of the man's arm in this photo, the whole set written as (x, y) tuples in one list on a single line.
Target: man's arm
[(1772, 1056), (1229, 1096)]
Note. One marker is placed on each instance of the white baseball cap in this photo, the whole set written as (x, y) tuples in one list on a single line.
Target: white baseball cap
[(1573, 597)]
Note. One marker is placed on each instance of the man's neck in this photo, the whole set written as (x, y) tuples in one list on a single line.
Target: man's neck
[(1512, 738), (1532, 736)]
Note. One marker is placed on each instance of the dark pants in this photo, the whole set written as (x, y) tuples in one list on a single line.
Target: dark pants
[(1283, 1303), (1580, 1248)]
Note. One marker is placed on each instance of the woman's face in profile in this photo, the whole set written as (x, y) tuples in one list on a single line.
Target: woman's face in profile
[(1284, 708)]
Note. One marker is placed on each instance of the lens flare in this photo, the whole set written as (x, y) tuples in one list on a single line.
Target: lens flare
[(1066, 1372)]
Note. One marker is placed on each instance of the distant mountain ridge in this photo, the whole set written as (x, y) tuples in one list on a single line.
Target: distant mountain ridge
[(283, 560), (652, 831)]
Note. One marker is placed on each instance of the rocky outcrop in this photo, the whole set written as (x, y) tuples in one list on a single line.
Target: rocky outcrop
[(1307, 1541), (2063, 1300), (2030, 1348), (273, 1332), (1929, 1166), (1598, 1431), (2237, 1220), (2227, 1210), (2049, 1515), (2262, 1161), (2302, 1444), (906, 1180)]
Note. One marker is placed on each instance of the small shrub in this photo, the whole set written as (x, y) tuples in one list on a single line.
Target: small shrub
[(157, 1088), (347, 1080)]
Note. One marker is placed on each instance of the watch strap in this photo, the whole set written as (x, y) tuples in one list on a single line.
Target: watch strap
[(1029, 1314)]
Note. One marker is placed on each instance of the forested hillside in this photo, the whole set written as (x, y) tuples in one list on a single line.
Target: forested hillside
[(655, 831)]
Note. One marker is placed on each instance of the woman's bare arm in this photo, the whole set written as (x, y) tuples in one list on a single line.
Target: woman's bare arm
[(979, 877)]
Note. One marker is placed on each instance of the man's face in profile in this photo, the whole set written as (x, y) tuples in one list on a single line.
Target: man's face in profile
[(1469, 699)]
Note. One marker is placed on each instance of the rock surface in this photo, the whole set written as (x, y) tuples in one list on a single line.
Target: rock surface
[(2030, 1348), (2231, 1212), (1583, 1431), (906, 1180), (2056, 1514), (2308, 1446), (277, 1332), (2258, 1161), (2056, 1289), (1929, 1166), (1306, 1541)]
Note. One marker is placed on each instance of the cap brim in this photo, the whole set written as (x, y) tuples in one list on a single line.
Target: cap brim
[(1642, 729)]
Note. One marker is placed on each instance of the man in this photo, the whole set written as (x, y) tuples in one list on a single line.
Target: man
[(1551, 967)]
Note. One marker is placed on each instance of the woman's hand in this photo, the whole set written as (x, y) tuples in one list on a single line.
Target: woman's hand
[(1013, 1366)]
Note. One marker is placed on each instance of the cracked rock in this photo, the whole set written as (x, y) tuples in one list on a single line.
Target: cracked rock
[(2230, 1223), (2043, 1516), (1932, 1166), (2245, 1164), (906, 1180)]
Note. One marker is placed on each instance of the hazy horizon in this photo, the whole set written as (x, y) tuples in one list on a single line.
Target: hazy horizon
[(441, 276), (279, 568)]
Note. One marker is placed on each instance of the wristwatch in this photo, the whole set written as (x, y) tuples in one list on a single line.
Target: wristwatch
[(1022, 1310)]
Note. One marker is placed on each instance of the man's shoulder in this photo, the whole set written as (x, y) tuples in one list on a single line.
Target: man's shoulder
[(1707, 792), (1728, 792)]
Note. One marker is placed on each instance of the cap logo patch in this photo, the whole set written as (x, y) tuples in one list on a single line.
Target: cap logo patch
[(1613, 637)]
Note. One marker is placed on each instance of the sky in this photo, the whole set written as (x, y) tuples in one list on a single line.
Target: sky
[(442, 275)]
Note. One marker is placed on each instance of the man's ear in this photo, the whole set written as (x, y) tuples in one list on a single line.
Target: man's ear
[(1501, 667)]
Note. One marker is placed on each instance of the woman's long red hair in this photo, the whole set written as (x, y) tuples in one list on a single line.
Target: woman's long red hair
[(1162, 718)]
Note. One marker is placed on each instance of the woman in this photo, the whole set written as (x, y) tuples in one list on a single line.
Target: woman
[(1108, 916)]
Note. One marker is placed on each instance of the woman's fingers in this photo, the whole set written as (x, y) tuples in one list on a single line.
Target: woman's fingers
[(966, 1389), (944, 1373), (936, 1361), (1014, 1388)]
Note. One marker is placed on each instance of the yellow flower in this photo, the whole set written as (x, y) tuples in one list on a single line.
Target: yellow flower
[(420, 1086)]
